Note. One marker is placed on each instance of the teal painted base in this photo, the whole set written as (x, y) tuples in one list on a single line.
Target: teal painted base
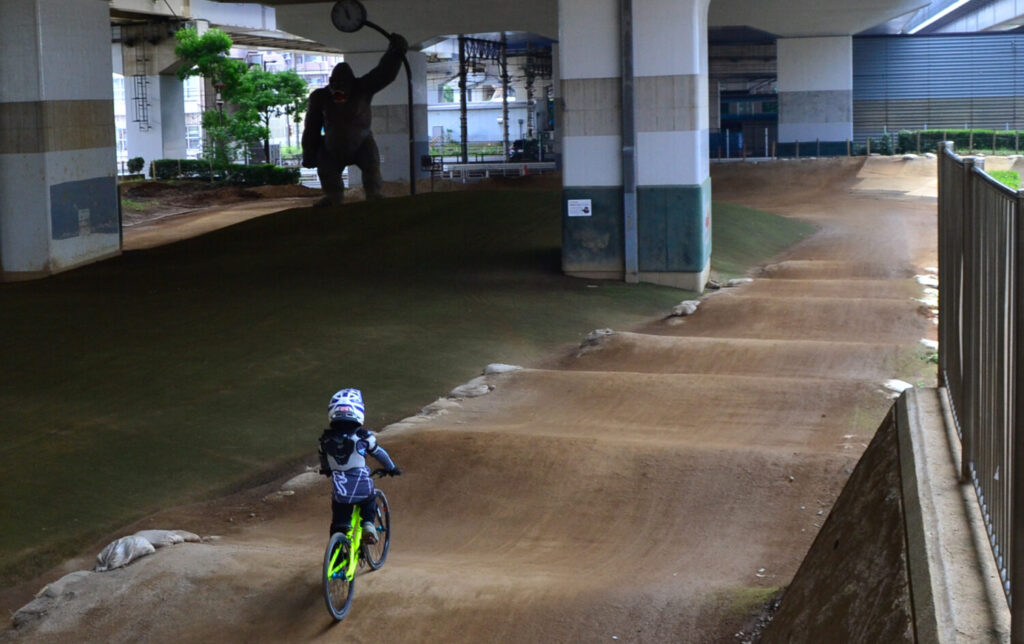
[(674, 227), (593, 244), (673, 231)]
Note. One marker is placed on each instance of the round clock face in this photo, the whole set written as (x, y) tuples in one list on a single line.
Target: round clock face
[(348, 15)]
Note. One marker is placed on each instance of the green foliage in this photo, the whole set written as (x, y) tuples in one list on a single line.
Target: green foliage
[(1009, 178), (885, 144), (452, 149), (135, 164), (207, 55), (262, 95), (250, 175), (254, 94), (1000, 141)]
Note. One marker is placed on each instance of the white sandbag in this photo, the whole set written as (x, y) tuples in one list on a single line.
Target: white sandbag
[(302, 481), (122, 552), (497, 367), (739, 281), (160, 538), (188, 537), (595, 337), (686, 307), (475, 387)]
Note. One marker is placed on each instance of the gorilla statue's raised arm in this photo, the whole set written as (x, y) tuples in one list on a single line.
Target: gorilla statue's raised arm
[(337, 131)]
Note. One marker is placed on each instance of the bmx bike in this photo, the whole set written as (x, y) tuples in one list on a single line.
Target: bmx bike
[(346, 552)]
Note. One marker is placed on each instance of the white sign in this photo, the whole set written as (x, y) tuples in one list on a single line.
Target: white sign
[(580, 208)]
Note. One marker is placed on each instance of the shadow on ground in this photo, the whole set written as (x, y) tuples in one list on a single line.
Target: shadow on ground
[(173, 374)]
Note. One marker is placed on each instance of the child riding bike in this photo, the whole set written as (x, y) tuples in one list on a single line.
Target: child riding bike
[(343, 449)]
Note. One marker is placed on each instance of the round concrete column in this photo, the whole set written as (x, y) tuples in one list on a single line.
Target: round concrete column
[(670, 128), (58, 185)]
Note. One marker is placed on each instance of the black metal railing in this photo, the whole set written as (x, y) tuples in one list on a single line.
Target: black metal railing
[(980, 327)]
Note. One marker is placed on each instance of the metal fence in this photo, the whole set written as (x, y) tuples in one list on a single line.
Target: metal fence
[(980, 322)]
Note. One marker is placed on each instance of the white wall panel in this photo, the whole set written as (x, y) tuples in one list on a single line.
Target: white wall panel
[(75, 41), (592, 161), (814, 64), (24, 203), (588, 35), (670, 37), (672, 158)]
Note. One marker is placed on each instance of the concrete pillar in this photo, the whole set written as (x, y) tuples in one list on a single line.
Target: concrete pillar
[(154, 97), (58, 186), (673, 192), (391, 118), (815, 89)]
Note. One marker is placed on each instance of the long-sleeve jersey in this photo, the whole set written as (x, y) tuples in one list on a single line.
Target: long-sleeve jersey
[(343, 456)]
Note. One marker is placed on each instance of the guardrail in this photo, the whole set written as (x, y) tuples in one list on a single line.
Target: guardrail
[(981, 322), (474, 171)]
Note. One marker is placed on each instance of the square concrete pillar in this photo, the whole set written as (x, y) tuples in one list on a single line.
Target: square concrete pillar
[(58, 185), (815, 89), (670, 129)]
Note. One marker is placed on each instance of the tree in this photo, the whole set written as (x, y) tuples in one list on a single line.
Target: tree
[(269, 94), (254, 94)]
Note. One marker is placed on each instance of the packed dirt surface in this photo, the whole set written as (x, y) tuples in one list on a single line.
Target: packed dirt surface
[(657, 485), (155, 213)]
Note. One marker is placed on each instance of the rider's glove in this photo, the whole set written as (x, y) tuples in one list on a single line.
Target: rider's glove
[(394, 472)]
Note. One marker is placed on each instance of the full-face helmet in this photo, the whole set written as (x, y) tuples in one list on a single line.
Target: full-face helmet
[(346, 406)]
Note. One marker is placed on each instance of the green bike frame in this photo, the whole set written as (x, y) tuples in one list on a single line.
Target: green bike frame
[(355, 540)]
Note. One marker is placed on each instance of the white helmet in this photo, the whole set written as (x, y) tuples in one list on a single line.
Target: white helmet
[(346, 404)]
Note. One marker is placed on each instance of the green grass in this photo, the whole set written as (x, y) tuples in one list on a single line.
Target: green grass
[(131, 204), (1010, 178), (174, 374), (743, 237), (489, 148)]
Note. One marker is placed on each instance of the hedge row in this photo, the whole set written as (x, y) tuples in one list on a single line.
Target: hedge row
[(252, 175), (963, 140)]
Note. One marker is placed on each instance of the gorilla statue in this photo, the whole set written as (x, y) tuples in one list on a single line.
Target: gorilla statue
[(342, 111)]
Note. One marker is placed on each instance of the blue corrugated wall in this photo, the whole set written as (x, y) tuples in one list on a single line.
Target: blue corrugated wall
[(939, 82)]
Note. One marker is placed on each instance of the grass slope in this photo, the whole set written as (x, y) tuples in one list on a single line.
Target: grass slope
[(172, 374), (743, 237)]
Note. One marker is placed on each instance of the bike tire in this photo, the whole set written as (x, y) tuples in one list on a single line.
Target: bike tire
[(338, 591), (375, 554)]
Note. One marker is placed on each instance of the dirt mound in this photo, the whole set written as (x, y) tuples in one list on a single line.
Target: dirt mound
[(281, 192), (137, 189), (660, 489), (803, 180)]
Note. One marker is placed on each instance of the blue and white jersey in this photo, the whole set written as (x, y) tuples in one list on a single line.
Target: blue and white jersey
[(343, 454)]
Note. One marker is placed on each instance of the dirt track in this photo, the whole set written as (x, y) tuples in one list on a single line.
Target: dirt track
[(655, 487)]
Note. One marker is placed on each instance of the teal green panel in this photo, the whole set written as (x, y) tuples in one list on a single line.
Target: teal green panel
[(674, 227), (594, 242)]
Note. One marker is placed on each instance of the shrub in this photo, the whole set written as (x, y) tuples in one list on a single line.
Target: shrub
[(251, 175), (963, 140), (135, 165)]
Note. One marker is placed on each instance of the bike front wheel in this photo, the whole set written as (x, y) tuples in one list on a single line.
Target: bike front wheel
[(376, 553), (338, 590)]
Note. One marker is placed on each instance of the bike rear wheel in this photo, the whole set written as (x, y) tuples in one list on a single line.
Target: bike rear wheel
[(338, 590), (376, 553)]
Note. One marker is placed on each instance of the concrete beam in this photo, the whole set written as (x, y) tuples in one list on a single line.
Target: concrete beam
[(421, 22)]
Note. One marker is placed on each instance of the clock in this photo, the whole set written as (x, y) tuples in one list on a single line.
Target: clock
[(348, 15)]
